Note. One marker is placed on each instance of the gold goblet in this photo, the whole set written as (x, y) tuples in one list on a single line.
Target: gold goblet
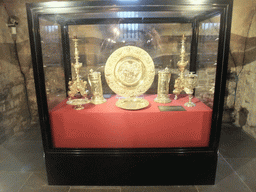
[(190, 83)]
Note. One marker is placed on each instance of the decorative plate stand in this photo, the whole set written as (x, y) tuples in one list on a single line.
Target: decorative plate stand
[(130, 72)]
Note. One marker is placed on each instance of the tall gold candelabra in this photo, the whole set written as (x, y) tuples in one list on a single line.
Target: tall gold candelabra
[(180, 81), (77, 87)]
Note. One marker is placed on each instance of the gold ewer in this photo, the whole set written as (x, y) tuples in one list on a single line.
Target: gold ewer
[(190, 83), (94, 79), (164, 77)]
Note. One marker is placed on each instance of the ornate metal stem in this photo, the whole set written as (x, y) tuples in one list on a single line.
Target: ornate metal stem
[(179, 82), (77, 88)]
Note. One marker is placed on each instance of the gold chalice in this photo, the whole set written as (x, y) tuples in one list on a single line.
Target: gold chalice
[(190, 83)]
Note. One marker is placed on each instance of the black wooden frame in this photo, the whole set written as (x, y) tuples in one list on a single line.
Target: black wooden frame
[(132, 166)]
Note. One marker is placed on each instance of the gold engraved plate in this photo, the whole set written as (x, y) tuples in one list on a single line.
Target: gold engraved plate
[(130, 72), (132, 103)]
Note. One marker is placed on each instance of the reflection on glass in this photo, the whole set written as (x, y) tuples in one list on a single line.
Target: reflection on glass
[(207, 59), (167, 43), (161, 41), (52, 62)]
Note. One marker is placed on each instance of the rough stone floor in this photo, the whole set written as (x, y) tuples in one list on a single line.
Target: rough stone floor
[(22, 167)]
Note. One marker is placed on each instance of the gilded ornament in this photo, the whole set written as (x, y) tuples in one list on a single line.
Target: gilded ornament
[(94, 79), (132, 103), (179, 82), (190, 83), (130, 72), (163, 86), (77, 87)]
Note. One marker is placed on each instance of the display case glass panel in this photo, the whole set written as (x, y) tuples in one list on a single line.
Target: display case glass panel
[(50, 33), (91, 38), (132, 48), (207, 59)]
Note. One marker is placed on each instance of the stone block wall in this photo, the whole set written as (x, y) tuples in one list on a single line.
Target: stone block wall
[(17, 8), (240, 91), (14, 113)]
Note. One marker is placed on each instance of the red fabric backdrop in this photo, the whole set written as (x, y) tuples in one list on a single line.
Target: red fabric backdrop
[(107, 126)]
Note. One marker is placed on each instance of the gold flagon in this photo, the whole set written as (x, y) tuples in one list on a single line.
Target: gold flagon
[(94, 79), (163, 86)]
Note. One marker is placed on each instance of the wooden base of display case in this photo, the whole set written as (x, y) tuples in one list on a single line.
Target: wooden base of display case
[(136, 169)]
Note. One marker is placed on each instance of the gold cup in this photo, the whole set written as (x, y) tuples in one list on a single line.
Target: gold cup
[(94, 79), (190, 83), (164, 77)]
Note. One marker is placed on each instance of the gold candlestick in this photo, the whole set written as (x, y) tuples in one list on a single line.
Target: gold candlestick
[(77, 87), (179, 82)]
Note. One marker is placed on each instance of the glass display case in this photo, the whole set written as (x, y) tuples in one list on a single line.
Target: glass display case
[(130, 91)]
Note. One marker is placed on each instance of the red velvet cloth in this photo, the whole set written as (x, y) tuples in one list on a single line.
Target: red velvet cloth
[(107, 126)]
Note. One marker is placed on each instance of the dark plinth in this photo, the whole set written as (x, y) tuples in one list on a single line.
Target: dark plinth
[(118, 168)]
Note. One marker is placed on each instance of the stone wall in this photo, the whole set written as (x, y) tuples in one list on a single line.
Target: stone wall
[(14, 113), (241, 84)]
